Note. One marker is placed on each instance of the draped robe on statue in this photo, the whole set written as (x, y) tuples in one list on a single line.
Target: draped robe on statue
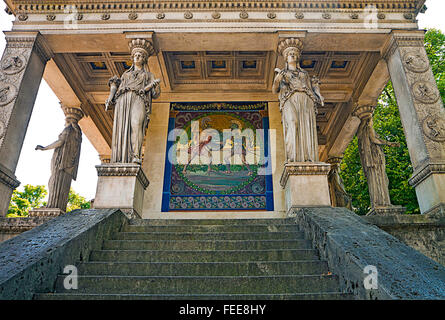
[(64, 165), (131, 115), (373, 163), (297, 104)]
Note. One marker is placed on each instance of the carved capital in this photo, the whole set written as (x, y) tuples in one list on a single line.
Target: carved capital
[(72, 113), (123, 170), (30, 40), (290, 43), (8, 178), (303, 168), (402, 39), (425, 171), (363, 111), (142, 44)]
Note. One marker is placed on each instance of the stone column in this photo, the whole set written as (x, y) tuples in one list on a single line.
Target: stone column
[(21, 70), (339, 197), (422, 115), (374, 163)]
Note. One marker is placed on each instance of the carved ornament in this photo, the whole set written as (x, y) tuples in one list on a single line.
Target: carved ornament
[(425, 92), (434, 128), (13, 64), (416, 62), (8, 92)]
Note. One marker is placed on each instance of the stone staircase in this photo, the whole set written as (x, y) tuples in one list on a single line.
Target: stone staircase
[(204, 259)]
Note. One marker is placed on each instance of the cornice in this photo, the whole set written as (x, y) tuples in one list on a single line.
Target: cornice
[(123, 170), (303, 168), (54, 6)]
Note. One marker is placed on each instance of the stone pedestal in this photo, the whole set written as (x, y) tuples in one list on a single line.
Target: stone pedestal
[(306, 184), (386, 211), (121, 185), (46, 212)]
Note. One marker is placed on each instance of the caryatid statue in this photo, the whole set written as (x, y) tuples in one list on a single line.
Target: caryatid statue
[(373, 158), (299, 96), (65, 160), (131, 96)]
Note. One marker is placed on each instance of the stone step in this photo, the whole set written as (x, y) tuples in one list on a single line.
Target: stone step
[(181, 236), (163, 222), (289, 296), (203, 255), (206, 244), (202, 285), (212, 228), (307, 267)]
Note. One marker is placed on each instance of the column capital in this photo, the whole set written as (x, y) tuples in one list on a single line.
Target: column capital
[(285, 44), (363, 111), (141, 42), (72, 112), (399, 38), (31, 39)]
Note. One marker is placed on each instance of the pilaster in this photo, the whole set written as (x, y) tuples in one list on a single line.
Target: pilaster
[(21, 70), (422, 115)]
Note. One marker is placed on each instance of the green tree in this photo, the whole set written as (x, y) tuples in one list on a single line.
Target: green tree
[(32, 197), (23, 201), (76, 201), (388, 125)]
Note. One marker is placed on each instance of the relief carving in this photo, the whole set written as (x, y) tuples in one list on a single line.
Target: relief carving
[(425, 92), (8, 92), (13, 64), (416, 62), (2, 129), (434, 128)]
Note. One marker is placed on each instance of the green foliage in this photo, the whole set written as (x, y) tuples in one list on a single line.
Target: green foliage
[(435, 48), (32, 197), (23, 201), (76, 201), (388, 126)]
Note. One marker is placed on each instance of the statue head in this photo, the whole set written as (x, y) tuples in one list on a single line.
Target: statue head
[(140, 49), (290, 49), (72, 115)]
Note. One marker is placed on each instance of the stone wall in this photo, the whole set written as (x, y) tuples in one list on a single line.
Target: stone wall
[(31, 261), (424, 233), (349, 244), (11, 227)]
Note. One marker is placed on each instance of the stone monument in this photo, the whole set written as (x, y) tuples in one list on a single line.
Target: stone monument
[(304, 178), (374, 164), (122, 182), (64, 164)]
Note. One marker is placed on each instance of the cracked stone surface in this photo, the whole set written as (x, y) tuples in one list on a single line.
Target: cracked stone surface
[(349, 244)]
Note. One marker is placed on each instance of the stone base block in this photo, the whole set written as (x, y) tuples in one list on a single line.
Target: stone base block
[(122, 186), (437, 211), (386, 211), (306, 185), (46, 212)]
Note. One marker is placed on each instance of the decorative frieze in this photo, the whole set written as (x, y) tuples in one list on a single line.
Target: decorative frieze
[(407, 6)]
